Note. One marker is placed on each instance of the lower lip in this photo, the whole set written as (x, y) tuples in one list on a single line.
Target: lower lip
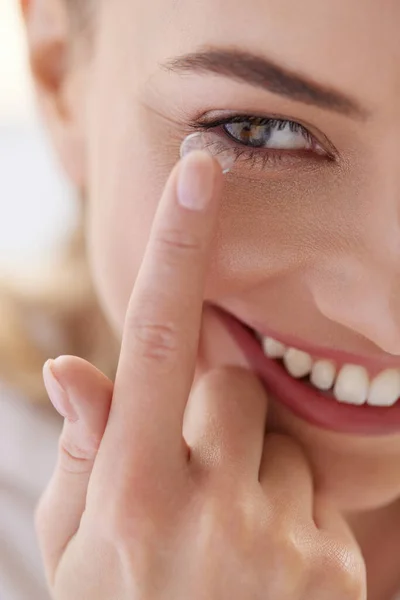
[(307, 402)]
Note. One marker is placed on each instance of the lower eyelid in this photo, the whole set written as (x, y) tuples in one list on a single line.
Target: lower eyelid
[(264, 158)]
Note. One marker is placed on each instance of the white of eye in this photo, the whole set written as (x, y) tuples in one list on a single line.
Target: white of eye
[(286, 139)]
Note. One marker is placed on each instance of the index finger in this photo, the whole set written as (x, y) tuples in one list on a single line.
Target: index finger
[(162, 326)]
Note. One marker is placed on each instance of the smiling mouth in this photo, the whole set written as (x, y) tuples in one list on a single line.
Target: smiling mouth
[(329, 389), (347, 383)]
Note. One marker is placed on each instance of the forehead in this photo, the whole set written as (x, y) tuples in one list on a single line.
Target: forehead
[(349, 44)]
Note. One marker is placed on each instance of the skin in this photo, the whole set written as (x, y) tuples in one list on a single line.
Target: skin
[(315, 239), (146, 512)]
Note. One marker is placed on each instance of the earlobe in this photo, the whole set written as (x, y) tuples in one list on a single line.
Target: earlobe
[(47, 32), (24, 4), (57, 80)]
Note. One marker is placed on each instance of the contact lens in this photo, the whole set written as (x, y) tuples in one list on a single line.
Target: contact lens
[(211, 143)]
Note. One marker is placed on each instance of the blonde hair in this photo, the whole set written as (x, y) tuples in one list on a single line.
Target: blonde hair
[(56, 314)]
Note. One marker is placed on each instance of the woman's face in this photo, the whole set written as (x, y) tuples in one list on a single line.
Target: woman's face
[(308, 248)]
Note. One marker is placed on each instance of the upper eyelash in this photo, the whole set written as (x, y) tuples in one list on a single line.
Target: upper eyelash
[(272, 121)]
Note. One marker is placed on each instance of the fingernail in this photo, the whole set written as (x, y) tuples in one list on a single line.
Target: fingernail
[(57, 394), (196, 181)]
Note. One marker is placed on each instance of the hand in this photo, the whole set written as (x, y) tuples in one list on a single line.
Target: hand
[(136, 511)]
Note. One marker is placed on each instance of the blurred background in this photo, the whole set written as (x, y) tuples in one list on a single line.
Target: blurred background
[(36, 206), (37, 212)]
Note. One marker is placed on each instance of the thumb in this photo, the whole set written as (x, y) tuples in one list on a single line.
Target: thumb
[(82, 394)]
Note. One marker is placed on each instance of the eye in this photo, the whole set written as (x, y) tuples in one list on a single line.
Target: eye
[(272, 134), (262, 142)]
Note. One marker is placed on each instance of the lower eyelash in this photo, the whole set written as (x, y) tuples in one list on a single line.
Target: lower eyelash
[(254, 158)]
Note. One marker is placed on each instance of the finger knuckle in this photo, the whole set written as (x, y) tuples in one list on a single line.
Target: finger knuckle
[(157, 341), (132, 507), (73, 457), (115, 524), (122, 523), (346, 567), (288, 563), (355, 588), (172, 243), (349, 569), (289, 557)]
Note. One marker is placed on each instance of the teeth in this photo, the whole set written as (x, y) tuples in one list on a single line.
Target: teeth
[(323, 374), (352, 385), (273, 348), (298, 363), (385, 388)]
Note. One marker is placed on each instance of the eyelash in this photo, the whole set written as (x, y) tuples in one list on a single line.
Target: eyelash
[(258, 156)]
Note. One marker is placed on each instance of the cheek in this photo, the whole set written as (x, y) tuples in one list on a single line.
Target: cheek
[(124, 188), (260, 249), (272, 227), (269, 229), (273, 233)]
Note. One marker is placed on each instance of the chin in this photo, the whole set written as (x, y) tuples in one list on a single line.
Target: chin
[(357, 473)]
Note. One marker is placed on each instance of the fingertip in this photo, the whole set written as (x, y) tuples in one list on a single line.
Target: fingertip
[(57, 392), (64, 360), (80, 377), (196, 181), (64, 368)]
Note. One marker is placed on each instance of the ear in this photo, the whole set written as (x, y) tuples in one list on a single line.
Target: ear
[(59, 80)]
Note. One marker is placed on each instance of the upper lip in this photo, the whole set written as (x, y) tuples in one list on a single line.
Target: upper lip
[(373, 364)]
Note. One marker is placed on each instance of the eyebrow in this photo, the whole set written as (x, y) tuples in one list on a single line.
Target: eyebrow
[(263, 73)]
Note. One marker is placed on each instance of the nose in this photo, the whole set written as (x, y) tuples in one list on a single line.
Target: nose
[(352, 295), (359, 287)]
